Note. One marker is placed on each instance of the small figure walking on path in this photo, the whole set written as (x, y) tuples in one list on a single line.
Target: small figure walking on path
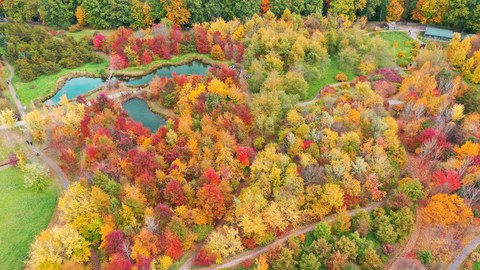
[(409, 32)]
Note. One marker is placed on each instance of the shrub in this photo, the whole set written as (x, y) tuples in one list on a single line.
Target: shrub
[(36, 176), (475, 256), (217, 53), (414, 52), (425, 256), (345, 86), (395, 44), (75, 28), (404, 63), (259, 143), (205, 258), (401, 54), (366, 67), (341, 77)]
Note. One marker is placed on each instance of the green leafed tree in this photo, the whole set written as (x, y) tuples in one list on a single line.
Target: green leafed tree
[(57, 13)]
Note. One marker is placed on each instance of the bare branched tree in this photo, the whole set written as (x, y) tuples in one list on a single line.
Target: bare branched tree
[(312, 174)]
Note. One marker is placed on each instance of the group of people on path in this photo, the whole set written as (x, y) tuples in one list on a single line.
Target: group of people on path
[(34, 149)]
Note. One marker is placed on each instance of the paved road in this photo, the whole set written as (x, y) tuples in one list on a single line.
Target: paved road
[(464, 254), (32, 148), (231, 262)]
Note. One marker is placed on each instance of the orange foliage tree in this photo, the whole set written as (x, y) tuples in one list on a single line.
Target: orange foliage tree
[(447, 210), (177, 13)]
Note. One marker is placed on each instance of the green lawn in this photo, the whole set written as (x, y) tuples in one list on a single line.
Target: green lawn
[(327, 78), (89, 33), (23, 214), (401, 38), (46, 84)]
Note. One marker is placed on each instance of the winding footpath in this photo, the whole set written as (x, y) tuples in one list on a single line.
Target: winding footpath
[(464, 254), (251, 254), (409, 245), (63, 178)]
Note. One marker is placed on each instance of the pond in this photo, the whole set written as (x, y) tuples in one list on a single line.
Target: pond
[(139, 111), (82, 85), (195, 67), (75, 87)]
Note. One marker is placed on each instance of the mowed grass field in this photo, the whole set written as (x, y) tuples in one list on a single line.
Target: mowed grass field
[(23, 214), (328, 77), (403, 40), (46, 84)]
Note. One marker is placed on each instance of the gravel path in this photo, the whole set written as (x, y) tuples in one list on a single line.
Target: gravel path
[(21, 109), (464, 254), (250, 254)]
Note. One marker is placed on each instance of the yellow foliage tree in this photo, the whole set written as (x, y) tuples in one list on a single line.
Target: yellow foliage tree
[(394, 11), (261, 262), (36, 125), (447, 210), (57, 245), (145, 245), (81, 15), (177, 13), (7, 117)]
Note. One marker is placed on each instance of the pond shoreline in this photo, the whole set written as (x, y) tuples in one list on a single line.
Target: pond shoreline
[(128, 74), (161, 120)]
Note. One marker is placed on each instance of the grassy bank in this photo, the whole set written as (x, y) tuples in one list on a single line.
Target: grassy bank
[(403, 40), (327, 78), (23, 214), (46, 84), (89, 33), (176, 60)]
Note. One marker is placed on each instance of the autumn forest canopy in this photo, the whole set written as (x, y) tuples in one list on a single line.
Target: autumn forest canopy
[(314, 135), (103, 14)]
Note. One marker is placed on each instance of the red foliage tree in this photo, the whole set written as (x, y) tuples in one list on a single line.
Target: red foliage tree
[(141, 161), (146, 58), (243, 112), (118, 62), (173, 245), (69, 159), (143, 263), (238, 53), (163, 215), (146, 183), (201, 42), (204, 258), (242, 155), (175, 37), (98, 42), (223, 72), (174, 193), (249, 243), (210, 200), (114, 242), (450, 179), (119, 262), (211, 176)]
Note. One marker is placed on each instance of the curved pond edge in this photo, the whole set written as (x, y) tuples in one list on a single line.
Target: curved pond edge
[(129, 74), (188, 59), (73, 75), (167, 116), (167, 113)]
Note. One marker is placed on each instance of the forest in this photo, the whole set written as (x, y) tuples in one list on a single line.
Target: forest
[(102, 14), (313, 140)]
